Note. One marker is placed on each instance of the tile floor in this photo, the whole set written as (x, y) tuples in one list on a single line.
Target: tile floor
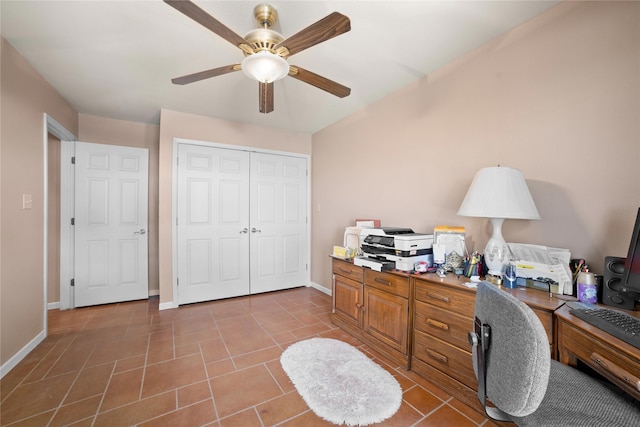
[(214, 364)]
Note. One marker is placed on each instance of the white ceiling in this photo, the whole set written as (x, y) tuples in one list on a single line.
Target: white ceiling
[(116, 58)]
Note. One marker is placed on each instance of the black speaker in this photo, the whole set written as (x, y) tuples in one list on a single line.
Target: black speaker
[(612, 281)]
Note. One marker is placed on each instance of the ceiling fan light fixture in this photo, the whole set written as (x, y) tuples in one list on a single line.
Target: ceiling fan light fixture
[(265, 67)]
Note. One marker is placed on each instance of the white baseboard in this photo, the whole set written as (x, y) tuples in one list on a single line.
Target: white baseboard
[(53, 305), (320, 288), (166, 305), (13, 361), (154, 292)]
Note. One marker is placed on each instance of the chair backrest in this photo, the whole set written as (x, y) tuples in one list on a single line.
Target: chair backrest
[(518, 359)]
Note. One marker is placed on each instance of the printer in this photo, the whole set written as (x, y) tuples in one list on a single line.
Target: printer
[(389, 248)]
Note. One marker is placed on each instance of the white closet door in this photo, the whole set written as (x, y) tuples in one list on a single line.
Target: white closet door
[(278, 222), (212, 223), (111, 244)]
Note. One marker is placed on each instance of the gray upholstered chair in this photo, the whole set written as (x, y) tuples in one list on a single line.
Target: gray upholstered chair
[(515, 372)]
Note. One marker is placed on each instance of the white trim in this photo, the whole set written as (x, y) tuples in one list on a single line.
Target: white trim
[(17, 358), (154, 292), (67, 193), (53, 305), (166, 305), (58, 130), (50, 125), (320, 288)]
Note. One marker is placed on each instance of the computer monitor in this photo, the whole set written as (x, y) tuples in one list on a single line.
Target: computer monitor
[(630, 283)]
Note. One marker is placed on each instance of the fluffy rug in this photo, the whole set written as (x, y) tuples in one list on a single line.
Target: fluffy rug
[(339, 383)]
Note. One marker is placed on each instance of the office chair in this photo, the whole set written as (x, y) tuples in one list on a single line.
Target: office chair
[(512, 361)]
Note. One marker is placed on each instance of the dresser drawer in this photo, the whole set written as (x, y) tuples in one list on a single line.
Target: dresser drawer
[(445, 357), (392, 283), (450, 327), (447, 297), (347, 269)]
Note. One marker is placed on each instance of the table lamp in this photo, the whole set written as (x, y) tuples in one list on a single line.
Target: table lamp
[(498, 193)]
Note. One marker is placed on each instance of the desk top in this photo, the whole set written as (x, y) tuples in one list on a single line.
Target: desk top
[(613, 358)]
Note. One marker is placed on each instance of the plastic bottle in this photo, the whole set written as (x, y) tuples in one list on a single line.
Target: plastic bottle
[(587, 287)]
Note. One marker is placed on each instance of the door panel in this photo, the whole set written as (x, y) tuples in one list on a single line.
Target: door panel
[(278, 222), (111, 245), (213, 220)]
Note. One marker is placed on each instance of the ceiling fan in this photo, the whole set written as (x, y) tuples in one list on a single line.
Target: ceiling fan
[(266, 51)]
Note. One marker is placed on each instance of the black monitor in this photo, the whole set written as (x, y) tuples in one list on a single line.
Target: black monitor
[(630, 284)]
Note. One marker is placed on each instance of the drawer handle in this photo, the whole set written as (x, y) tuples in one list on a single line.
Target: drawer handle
[(344, 270), (437, 356), (437, 324), (616, 371), (438, 297), (382, 281)]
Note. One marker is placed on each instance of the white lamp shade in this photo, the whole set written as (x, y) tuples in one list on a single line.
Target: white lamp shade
[(265, 67), (499, 192)]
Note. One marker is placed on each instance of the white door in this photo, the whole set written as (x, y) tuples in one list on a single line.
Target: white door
[(278, 222), (111, 245), (212, 223)]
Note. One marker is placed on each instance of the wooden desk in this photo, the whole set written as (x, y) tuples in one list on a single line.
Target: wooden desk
[(611, 357)]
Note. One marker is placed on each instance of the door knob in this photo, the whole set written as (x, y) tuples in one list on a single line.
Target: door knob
[(255, 230), (142, 231), (244, 230)]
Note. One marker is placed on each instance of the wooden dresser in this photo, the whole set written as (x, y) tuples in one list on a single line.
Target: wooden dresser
[(373, 306), (422, 321), (443, 316)]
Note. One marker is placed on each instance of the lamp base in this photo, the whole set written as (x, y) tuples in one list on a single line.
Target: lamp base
[(496, 280), (496, 253)]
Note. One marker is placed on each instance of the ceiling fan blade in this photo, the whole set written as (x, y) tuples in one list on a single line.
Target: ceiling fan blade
[(266, 97), (200, 16), (190, 78), (318, 81), (327, 28)]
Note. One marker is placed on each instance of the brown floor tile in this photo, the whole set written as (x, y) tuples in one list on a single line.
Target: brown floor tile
[(446, 416), (242, 389), (281, 408), (138, 411), (123, 389), (90, 382), (421, 400), (33, 398), (173, 374), (76, 411), (247, 418), (194, 393), (198, 414)]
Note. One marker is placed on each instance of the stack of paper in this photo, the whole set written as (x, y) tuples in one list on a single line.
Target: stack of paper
[(535, 261)]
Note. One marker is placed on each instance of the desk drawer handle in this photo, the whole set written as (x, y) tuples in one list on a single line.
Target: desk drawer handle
[(616, 371), (437, 356), (344, 270), (438, 297), (437, 324), (382, 281)]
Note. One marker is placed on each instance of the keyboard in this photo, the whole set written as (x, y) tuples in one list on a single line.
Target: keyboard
[(616, 323)]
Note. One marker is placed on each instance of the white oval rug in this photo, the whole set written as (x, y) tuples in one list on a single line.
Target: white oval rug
[(339, 383)]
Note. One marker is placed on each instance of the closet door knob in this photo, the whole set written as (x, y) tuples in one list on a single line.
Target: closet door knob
[(244, 230), (255, 230)]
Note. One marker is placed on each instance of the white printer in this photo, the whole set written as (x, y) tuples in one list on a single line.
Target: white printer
[(387, 248)]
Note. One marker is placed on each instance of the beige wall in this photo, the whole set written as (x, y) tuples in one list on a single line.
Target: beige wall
[(558, 98), (182, 125), (26, 96), (131, 134)]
